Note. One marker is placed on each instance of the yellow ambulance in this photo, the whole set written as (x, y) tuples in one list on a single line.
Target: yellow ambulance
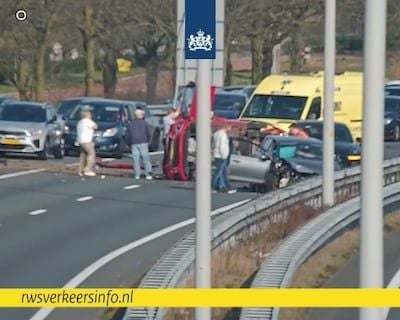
[(283, 99)]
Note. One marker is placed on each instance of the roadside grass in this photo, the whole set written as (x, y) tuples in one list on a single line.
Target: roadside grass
[(344, 62), (241, 78), (326, 262), (236, 265), (66, 80), (6, 88)]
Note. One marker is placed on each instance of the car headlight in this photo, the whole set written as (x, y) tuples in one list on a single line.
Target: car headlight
[(58, 132), (388, 121), (36, 132), (66, 129), (110, 133)]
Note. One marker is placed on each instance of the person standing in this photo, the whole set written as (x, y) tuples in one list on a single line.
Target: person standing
[(168, 121), (139, 138), (220, 181), (85, 133)]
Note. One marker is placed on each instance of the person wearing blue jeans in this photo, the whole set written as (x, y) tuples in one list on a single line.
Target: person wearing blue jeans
[(139, 137), (141, 150), (220, 181)]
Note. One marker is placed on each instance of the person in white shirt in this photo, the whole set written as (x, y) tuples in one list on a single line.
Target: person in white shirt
[(85, 133), (220, 181)]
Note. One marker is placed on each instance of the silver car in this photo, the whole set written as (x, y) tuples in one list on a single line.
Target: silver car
[(249, 163), (31, 128)]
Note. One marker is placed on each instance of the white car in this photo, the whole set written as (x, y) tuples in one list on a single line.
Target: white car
[(31, 128)]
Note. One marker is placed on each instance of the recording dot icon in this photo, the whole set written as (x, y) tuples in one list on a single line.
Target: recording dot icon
[(21, 15)]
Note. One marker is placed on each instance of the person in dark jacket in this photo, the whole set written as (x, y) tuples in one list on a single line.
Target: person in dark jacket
[(139, 137)]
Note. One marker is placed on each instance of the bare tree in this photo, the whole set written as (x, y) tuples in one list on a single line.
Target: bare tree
[(154, 36)]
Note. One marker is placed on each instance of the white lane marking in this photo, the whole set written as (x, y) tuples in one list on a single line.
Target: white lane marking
[(134, 186), (393, 284), (37, 212), (21, 173), (88, 271), (82, 199)]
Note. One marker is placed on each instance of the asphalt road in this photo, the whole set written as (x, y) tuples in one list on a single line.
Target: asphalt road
[(348, 277), (52, 226)]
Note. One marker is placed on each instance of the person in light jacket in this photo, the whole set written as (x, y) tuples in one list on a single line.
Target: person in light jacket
[(220, 181), (139, 135)]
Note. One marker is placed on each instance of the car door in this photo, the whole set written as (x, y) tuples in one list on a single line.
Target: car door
[(246, 163)]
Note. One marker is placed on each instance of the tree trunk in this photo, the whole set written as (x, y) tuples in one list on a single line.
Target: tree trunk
[(21, 81), (151, 79), (90, 69), (227, 58), (90, 49), (267, 61), (110, 69), (40, 73), (294, 52), (257, 59)]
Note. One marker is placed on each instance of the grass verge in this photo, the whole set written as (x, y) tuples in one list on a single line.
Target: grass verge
[(326, 262), (235, 266)]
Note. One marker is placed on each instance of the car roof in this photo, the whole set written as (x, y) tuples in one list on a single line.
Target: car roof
[(228, 93), (115, 101), (29, 103), (393, 83), (293, 139), (78, 98)]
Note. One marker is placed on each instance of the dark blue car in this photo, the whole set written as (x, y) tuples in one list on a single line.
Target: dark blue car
[(229, 105), (65, 108), (112, 118)]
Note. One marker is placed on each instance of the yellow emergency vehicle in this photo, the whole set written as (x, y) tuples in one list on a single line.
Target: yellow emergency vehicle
[(283, 99)]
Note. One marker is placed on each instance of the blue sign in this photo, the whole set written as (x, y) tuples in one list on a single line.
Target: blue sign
[(200, 22)]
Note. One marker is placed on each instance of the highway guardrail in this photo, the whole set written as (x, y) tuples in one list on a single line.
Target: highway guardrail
[(280, 267), (177, 264)]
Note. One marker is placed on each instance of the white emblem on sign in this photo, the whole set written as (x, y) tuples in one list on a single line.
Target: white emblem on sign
[(200, 42)]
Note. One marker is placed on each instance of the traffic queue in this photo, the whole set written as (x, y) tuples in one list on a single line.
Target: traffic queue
[(274, 130)]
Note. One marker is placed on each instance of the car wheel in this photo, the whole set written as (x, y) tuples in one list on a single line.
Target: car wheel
[(397, 132), (119, 154), (45, 153), (271, 182), (59, 151), (155, 141)]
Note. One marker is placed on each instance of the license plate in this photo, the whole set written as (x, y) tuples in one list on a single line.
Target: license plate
[(354, 158), (12, 141)]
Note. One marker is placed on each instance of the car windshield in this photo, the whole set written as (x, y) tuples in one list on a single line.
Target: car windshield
[(395, 91), (101, 112), (67, 107), (275, 107), (392, 106), (294, 149), (229, 102), (22, 113), (342, 133)]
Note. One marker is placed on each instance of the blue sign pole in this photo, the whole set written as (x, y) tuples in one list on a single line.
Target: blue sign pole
[(200, 27)]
